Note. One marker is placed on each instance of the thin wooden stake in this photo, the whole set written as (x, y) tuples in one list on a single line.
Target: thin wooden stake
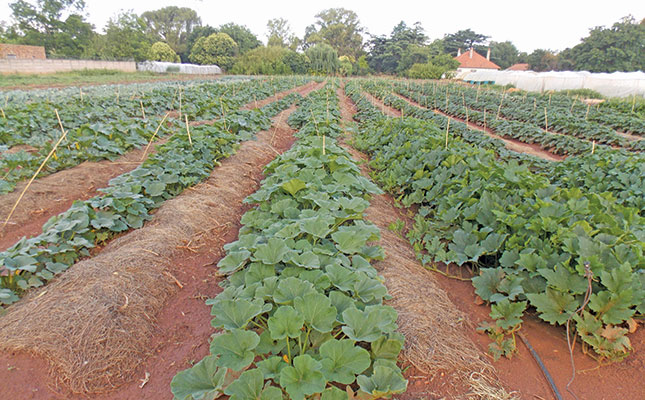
[(3, 115), (587, 113), (42, 165), (180, 104), (633, 101), (550, 98), (143, 156), (117, 95), (573, 104), (484, 119), (190, 140), (221, 108), (534, 104), (499, 108), (593, 146), (447, 130), (324, 152), (142, 110), (546, 121)]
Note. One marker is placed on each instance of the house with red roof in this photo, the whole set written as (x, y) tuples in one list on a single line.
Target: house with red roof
[(471, 61), (518, 67)]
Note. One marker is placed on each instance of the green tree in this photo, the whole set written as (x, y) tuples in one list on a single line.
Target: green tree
[(323, 59), (345, 67), (161, 51), (395, 54), (339, 28), (504, 54), (435, 67), (541, 60), (269, 60), (172, 25), (618, 48), (197, 32), (278, 32), (245, 39), (41, 24), (463, 39), (218, 49), (124, 38)]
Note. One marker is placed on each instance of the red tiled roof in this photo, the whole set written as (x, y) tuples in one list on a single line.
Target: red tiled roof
[(518, 67), (477, 61)]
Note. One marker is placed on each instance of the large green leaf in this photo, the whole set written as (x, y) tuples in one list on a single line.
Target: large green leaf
[(294, 186), (318, 226), (204, 381), (342, 360), (247, 387), (233, 261), (285, 322), (304, 378), (235, 349), (272, 252), (233, 314), (363, 326), (317, 311), (291, 288), (553, 305), (384, 382)]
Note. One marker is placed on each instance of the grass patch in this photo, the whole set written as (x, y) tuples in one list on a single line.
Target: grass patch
[(86, 76)]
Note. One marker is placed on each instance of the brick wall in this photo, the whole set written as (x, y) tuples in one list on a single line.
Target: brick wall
[(21, 52), (51, 66)]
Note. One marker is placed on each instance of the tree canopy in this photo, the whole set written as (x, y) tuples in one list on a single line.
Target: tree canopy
[(41, 24), (620, 47), (160, 51), (463, 39), (172, 25), (245, 39), (218, 49), (340, 29), (404, 47)]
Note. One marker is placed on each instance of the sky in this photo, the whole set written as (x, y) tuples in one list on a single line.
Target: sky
[(547, 24)]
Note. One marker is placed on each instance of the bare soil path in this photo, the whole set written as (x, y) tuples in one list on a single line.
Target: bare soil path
[(179, 327)]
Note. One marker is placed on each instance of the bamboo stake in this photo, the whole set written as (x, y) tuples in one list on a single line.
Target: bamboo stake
[(180, 104), (447, 130), (499, 108), (633, 101), (587, 113), (190, 140), (221, 108), (143, 156), (593, 146), (42, 165), (550, 98), (484, 119), (546, 121), (573, 104), (323, 144), (117, 95), (6, 100), (534, 104), (3, 115), (142, 110)]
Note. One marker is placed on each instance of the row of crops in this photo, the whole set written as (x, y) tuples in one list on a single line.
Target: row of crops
[(544, 236), (103, 126), (302, 310), (553, 127), (128, 201)]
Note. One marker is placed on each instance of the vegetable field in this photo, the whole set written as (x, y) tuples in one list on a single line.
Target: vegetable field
[(300, 238)]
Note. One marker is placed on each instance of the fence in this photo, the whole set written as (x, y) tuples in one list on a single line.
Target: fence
[(49, 66)]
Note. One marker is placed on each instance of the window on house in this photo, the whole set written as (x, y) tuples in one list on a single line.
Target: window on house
[(11, 56)]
